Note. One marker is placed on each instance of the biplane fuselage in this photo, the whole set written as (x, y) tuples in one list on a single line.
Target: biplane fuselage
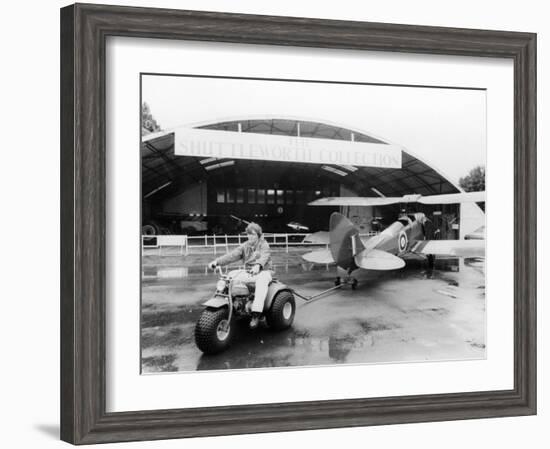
[(350, 251), (396, 238)]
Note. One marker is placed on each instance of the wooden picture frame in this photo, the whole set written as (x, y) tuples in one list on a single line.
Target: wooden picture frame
[(84, 29)]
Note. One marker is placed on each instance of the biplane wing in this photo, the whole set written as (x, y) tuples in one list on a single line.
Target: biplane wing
[(449, 198), (453, 248), (319, 237), (322, 256), (373, 259), (323, 238), (376, 259), (353, 201)]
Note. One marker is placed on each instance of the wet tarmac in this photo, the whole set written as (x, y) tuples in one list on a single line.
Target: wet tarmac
[(414, 314)]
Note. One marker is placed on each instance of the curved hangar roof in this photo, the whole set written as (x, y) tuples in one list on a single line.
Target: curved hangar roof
[(165, 174)]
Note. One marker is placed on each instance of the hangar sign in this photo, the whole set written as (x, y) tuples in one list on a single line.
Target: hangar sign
[(236, 145)]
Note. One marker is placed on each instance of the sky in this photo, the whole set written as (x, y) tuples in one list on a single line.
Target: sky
[(444, 127)]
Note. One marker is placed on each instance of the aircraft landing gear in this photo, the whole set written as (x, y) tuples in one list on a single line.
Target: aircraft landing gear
[(431, 261), (348, 280)]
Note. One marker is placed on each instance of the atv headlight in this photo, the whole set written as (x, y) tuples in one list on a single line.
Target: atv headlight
[(220, 286)]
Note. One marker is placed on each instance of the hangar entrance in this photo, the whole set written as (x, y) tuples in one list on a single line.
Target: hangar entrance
[(275, 195)]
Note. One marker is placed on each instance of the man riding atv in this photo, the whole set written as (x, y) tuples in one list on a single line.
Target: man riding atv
[(255, 255)]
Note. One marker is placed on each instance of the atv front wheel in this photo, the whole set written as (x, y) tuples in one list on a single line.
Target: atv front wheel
[(281, 314), (213, 332)]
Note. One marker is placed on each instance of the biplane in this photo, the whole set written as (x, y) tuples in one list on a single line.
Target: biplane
[(405, 238)]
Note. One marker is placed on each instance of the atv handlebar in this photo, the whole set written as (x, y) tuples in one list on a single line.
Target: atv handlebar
[(218, 269)]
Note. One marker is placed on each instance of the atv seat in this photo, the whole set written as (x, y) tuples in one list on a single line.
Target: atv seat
[(252, 285)]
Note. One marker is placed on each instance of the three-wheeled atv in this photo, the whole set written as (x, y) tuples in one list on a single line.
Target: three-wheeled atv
[(232, 301)]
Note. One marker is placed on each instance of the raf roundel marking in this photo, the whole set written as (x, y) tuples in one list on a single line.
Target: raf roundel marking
[(403, 242)]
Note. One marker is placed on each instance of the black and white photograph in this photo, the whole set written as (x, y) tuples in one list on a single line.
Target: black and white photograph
[(275, 224), (297, 223)]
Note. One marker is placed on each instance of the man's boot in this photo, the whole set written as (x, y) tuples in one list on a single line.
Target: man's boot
[(255, 321)]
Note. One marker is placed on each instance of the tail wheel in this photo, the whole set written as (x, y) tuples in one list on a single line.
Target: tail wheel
[(213, 331), (403, 241), (283, 309)]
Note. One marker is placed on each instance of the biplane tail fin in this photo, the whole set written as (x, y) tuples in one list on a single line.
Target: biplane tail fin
[(345, 242)]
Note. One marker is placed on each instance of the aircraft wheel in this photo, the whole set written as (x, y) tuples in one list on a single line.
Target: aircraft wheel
[(354, 284), (337, 281)]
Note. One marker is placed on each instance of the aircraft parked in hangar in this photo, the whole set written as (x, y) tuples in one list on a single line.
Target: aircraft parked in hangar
[(297, 226), (403, 239)]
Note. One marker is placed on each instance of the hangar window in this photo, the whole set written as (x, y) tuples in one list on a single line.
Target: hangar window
[(261, 196), (240, 195), (280, 197), (349, 167), (289, 197), (300, 197), (312, 195), (270, 196), (220, 165), (225, 126), (251, 196), (334, 170), (230, 196), (220, 195)]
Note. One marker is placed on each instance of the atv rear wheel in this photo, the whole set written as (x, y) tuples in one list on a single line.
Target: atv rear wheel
[(281, 314), (213, 332)]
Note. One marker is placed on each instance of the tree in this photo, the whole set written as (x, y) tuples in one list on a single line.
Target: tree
[(148, 122), (474, 181)]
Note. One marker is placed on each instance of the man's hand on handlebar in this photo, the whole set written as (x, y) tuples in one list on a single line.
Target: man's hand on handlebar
[(256, 269), (212, 265)]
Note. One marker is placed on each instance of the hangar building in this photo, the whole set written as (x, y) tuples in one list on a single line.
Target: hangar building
[(187, 194)]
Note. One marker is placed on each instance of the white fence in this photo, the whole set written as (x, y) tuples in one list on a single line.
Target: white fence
[(161, 241), (222, 243)]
